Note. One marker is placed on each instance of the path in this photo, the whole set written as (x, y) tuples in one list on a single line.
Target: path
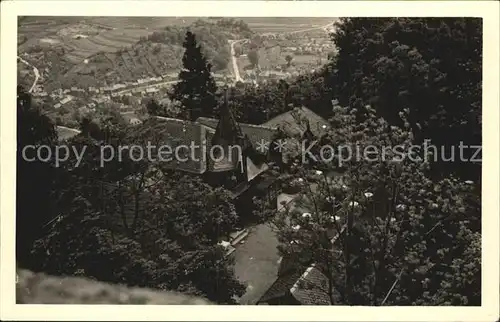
[(257, 263), (69, 129), (236, 70), (35, 71)]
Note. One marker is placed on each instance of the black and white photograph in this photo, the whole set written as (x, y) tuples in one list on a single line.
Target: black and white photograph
[(251, 160)]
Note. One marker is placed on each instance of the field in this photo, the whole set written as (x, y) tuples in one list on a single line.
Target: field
[(82, 37), (108, 41), (91, 51), (284, 24), (108, 34)]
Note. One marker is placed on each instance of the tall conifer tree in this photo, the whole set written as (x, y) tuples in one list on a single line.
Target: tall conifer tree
[(196, 89)]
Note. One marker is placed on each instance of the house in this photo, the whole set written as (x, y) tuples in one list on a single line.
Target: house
[(298, 125), (66, 100), (309, 287), (131, 118), (295, 285), (252, 181), (135, 121), (227, 154)]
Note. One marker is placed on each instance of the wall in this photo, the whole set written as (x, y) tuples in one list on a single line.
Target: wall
[(37, 288)]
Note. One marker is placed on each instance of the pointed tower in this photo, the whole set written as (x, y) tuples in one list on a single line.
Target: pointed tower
[(308, 134), (228, 135), (228, 131)]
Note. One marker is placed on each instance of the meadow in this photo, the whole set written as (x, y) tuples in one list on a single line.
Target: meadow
[(284, 24), (89, 50)]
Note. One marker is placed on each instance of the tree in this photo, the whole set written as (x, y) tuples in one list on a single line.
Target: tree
[(331, 55), (167, 247), (237, 50), (90, 127), (401, 239), (196, 87), (35, 178), (432, 66), (288, 59), (220, 62), (253, 57), (153, 108), (133, 222)]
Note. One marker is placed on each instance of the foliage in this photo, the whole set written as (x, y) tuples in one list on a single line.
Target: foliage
[(253, 57), (34, 178), (171, 245), (256, 105), (238, 27), (123, 222), (432, 66), (402, 238), (153, 108), (212, 37), (196, 89)]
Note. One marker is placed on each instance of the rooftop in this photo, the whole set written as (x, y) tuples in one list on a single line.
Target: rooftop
[(175, 133), (294, 122), (255, 133)]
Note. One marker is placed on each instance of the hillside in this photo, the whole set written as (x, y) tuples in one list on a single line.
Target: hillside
[(86, 52)]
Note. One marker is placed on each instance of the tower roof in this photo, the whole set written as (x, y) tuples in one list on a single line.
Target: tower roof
[(228, 131)]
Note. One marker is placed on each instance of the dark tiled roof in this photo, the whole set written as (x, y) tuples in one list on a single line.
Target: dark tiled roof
[(174, 133), (294, 122), (311, 288), (288, 264), (280, 287), (255, 133)]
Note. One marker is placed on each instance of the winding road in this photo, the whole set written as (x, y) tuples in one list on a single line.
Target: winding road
[(35, 71), (236, 70)]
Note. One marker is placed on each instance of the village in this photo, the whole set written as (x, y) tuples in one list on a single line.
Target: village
[(253, 161), (282, 56), (257, 262), (269, 278)]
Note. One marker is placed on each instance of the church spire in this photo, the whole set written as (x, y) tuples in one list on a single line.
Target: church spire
[(228, 130), (308, 134)]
